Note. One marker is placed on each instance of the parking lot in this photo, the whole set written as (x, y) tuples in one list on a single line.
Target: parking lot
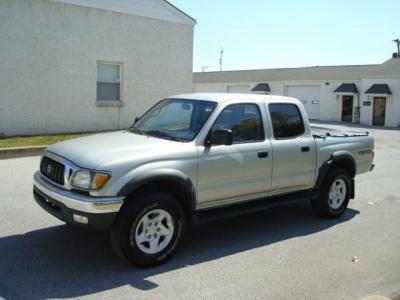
[(284, 253)]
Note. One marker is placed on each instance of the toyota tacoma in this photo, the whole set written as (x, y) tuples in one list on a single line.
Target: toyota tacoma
[(195, 158)]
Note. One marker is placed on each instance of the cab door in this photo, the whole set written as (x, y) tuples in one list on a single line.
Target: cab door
[(240, 171), (293, 149)]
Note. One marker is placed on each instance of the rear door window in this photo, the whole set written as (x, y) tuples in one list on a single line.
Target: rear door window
[(286, 120)]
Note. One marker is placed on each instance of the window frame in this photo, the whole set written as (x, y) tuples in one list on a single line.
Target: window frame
[(272, 124), (109, 102), (243, 142)]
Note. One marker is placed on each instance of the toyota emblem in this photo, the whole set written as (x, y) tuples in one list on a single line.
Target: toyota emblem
[(49, 169)]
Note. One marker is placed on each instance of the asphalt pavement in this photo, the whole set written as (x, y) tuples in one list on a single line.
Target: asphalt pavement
[(283, 253)]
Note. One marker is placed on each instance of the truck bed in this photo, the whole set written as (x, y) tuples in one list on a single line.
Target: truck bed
[(323, 132)]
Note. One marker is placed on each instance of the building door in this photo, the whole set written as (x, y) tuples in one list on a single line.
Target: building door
[(379, 111), (347, 108), (309, 95)]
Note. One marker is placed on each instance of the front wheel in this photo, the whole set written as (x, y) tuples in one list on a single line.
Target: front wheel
[(148, 229), (335, 194)]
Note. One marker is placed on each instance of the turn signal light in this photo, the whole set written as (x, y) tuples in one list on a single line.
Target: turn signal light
[(99, 180)]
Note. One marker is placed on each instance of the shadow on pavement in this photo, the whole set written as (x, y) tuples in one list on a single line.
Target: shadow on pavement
[(60, 261)]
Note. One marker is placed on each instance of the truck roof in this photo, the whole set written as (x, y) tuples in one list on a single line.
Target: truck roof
[(223, 97)]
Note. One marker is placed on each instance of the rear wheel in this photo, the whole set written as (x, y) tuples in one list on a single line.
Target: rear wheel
[(335, 194), (148, 229)]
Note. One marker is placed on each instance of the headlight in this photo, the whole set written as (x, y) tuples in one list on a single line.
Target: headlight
[(89, 180)]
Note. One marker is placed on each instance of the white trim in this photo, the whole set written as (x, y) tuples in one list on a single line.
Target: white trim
[(104, 103), (345, 94), (377, 95), (381, 77), (155, 9)]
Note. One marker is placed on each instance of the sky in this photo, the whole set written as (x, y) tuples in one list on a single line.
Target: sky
[(258, 34)]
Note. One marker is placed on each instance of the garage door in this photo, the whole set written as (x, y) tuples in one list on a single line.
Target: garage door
[(241, 89), (309, 95)]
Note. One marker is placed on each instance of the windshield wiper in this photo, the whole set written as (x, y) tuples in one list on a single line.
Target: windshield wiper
[(162, 134), (135, 130)]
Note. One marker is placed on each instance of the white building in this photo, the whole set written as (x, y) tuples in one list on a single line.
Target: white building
[(367, 94), (80, 65)]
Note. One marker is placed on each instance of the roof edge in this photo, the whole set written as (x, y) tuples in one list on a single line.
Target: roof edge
[(176, 15), (181, 11), (289, 68)]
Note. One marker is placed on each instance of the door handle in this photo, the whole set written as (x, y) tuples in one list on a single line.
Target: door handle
[(262, 154), (305, 149)]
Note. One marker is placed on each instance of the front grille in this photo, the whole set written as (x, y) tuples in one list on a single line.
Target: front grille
[(52, 170)]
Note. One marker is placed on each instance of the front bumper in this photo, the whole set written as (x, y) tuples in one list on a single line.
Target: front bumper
[(73, 207)]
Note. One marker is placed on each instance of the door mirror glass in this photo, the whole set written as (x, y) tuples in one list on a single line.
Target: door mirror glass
[(219, 137)]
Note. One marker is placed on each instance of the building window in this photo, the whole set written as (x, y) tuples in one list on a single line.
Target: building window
[(108, 82)]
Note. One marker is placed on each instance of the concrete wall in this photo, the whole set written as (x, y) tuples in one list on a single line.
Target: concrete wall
[(48, 55)]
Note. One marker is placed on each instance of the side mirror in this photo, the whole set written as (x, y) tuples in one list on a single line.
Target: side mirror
[(219, 137), (136, 120)]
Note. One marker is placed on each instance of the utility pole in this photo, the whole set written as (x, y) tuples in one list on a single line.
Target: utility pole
[(220, 59), (397, 41)]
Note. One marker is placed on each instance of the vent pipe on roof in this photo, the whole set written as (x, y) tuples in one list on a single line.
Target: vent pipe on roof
[(220, 59), (397, 41)]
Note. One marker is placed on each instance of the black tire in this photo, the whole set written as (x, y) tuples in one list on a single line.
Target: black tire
[(124, 228), (322, 205)]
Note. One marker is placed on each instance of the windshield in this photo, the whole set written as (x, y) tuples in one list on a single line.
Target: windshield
[(175, 119)]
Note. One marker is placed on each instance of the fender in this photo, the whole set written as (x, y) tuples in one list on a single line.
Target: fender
[(327, 165), (172, 175)]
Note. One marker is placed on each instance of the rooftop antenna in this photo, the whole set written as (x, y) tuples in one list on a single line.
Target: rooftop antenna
[(397, 41), (220, 59), (204, 68)]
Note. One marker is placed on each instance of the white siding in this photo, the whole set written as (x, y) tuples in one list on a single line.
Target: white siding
[(212, 87), (241, 89)]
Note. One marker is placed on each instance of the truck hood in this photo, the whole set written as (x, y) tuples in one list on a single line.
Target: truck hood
[(93, 151)]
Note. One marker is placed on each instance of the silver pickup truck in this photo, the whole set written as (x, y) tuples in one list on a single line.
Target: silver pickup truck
[(195, 158)]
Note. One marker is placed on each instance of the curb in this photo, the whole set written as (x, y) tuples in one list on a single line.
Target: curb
[(6, 153)]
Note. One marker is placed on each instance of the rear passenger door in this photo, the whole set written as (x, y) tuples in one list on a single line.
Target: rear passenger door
[(293, 149)]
